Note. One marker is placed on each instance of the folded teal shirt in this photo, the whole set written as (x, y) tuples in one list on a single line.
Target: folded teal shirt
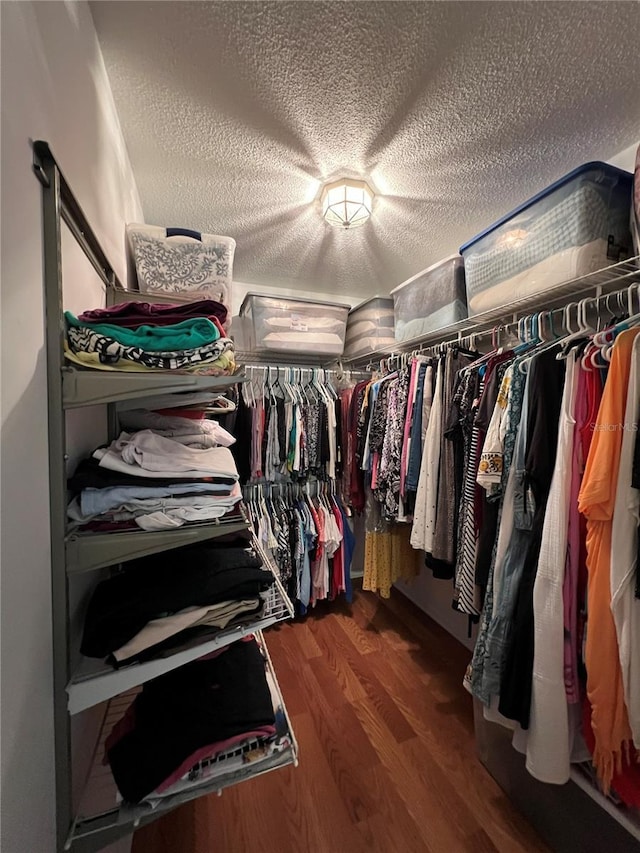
[(189, 334)]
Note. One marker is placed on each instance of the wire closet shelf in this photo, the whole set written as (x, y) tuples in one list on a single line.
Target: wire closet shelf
[(596, 285), (101, 810), (94, 682)]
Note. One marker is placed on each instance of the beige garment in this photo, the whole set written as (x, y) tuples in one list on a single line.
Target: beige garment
[(157, 630)]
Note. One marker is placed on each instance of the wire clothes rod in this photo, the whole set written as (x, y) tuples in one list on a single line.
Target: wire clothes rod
[(615, 302), (288, 489), (294, 382), (302, 373), (599, 285)]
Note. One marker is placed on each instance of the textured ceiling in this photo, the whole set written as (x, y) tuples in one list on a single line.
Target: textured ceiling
[(235, 113)]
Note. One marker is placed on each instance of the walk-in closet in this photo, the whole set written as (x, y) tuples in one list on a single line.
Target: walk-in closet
[(320, 450)]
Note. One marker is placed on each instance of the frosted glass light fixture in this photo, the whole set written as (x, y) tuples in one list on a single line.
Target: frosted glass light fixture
[(346, 203)]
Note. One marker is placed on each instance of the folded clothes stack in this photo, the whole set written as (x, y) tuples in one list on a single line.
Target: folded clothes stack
[(251, 754), (139, 336), (179, 472), (173, 601), (169, 737)]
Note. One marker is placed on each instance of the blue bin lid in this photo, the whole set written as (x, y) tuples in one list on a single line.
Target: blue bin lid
[(612, 171)]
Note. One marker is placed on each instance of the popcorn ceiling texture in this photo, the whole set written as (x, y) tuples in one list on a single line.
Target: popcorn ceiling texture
[(235, 113)]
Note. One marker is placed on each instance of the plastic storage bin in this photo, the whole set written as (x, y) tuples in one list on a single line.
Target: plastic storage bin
[(430, 300), (576, 226), (295, 325), (182, 262), (370, 327)]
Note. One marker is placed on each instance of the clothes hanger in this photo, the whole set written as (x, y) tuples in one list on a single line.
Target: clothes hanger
[(246, 388), (287, 384), (479, 361), (319, 387), (327, 383), (632, 319), (540, 343), (587, 360), (625, 324), (296, 387), (221, 406), (578, 335), (307, 389)]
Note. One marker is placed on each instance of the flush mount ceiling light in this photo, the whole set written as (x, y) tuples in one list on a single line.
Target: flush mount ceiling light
[(346, 203)]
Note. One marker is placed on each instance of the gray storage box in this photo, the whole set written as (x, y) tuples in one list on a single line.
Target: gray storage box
[(433, 298), (370, 327)]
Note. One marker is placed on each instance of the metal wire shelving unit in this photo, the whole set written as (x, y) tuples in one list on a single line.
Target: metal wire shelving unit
[(82, 823), (102, 814)]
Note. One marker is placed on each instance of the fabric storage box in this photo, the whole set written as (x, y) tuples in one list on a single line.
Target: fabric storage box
[(576, 226), (370, 327), (430, 300), (181, 262), (295, 325)]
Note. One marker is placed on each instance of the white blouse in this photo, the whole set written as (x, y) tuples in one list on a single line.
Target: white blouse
[(624, 549), (548, 742)]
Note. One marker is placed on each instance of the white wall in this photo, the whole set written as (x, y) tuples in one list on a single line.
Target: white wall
[(434, 596), (54, 87), (626, 159)]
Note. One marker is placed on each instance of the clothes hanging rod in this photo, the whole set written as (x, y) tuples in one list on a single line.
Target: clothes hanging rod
[(288, 489), (302, 372), (616, 302), (598, 284)]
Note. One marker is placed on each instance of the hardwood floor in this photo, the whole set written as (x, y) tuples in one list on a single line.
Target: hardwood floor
[(387, 756)]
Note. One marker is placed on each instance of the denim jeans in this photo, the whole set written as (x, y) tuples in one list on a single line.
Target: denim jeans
[(509, 573)]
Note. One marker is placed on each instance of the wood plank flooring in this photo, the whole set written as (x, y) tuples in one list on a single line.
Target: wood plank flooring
[(387, 756)]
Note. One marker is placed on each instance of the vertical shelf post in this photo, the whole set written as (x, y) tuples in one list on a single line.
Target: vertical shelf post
[(49, 176)]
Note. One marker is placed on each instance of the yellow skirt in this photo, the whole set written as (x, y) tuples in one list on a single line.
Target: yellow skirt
[(389, 557)]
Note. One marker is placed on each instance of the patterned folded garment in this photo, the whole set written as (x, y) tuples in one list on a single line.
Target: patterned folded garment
[(222, 366), (84, 339), (133, 314)]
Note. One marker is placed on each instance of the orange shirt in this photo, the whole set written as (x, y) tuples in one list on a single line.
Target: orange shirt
[(596, 501)]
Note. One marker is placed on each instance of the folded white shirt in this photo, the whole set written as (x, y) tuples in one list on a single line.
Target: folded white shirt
[(170, 518), (146, 454), (176, 428), (197, 439)]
